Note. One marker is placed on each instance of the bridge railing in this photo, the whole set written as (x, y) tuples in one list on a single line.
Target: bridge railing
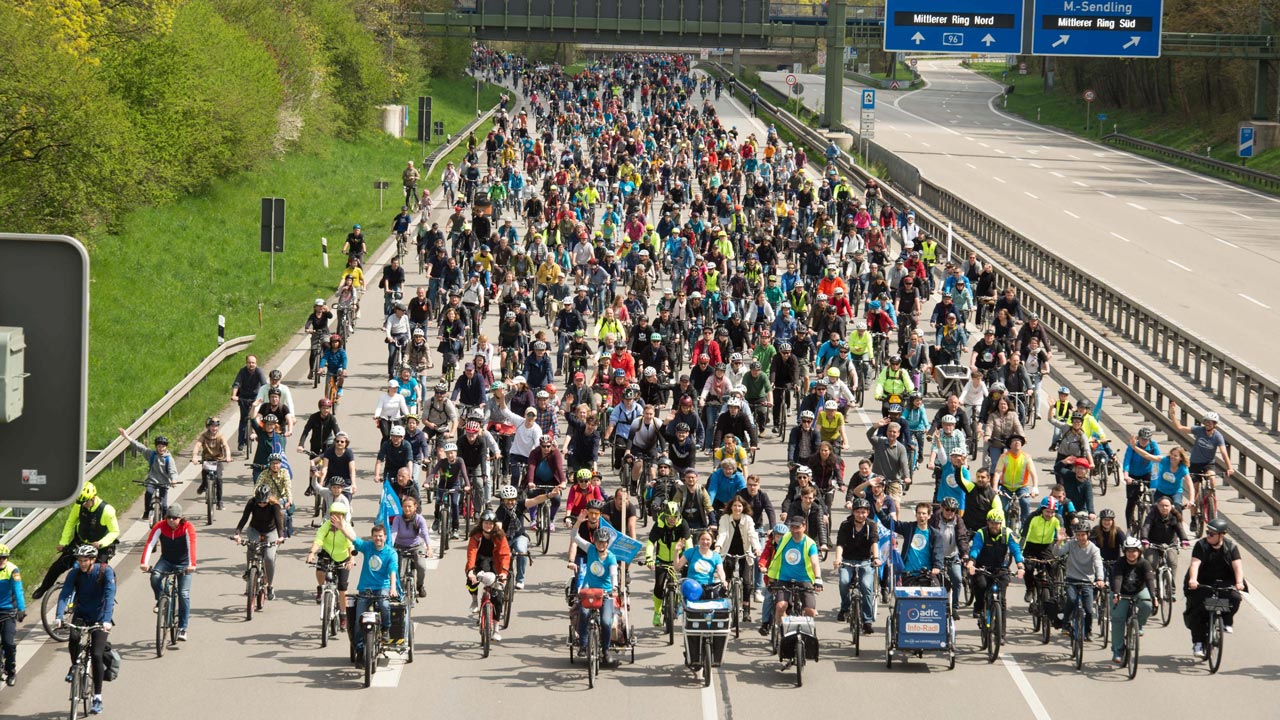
[(1231, 170)]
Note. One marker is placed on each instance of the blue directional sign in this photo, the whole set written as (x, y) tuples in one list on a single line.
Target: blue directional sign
[(868, 99), (953, 26), (1246, 142), (1092, 28)]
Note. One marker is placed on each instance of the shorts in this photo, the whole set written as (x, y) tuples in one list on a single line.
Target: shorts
[(809, 598), (342, 575)]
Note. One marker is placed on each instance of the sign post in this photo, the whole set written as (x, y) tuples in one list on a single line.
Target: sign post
[(380, 185), (1245, 150), (1089, 97), (272, 235), (867, 124)]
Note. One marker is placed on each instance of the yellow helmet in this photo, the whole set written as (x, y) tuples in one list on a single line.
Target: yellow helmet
[(4, 550), (995, 515), (88, 492)]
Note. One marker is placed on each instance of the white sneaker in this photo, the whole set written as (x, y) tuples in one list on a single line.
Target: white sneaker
[(1198, 650), (519, 584), (759, 596), (475, 606), (1228, 629), (497, 636)]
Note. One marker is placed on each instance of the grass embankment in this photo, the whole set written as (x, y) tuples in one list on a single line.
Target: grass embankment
[(159, 283), (1066, 111)]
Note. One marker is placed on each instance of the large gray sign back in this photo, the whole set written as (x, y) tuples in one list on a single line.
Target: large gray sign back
[(46, 293), (649, 16)]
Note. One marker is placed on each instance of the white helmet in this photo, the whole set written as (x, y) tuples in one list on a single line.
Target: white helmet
[(507, 492)]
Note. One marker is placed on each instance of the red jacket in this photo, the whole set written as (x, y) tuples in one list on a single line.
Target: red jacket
[(177, 545)]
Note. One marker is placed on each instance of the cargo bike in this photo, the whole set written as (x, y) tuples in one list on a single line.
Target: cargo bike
[(920, 622), (707, 623)]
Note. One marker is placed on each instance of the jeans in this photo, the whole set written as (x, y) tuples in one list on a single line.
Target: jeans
[(419, 563), (384, 609), (520, 550), (993, 456), (712, 414), (184, 588), (606, 624), (1085, 600), (766, 610), (268, 557), (242, 430), (401, 342), (866, 583), (152, 489), (951, 566), (1120, 613), (1024, 504)]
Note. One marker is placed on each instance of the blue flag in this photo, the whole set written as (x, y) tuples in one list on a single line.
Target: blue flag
[(1097, 406), (277, 446), (389, 506)]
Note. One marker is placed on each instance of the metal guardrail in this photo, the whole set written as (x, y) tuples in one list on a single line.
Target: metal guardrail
[(1257, 472), (1231, 170), (435, 156), (139, 429)]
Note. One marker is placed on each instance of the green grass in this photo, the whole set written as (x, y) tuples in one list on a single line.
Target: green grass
[(160, 281), (1066, 111)]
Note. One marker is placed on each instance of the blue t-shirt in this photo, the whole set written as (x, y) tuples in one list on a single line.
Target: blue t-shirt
[(702, 569), (795, 560), (1167, 481), (379, 565), (916, 556), (951, 486), (597, 572)]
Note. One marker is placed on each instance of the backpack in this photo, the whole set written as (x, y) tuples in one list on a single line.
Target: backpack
[(111, 664)]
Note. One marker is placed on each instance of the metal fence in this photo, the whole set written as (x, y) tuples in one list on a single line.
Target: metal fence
[(1234, 171)]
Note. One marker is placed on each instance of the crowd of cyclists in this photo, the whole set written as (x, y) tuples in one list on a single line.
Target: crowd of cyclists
[(669, 293)]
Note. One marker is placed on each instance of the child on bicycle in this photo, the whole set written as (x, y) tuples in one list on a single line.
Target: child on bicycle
[(667, 540)]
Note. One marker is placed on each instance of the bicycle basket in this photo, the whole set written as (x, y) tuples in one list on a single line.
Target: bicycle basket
[(591, 598), (1212, 604)]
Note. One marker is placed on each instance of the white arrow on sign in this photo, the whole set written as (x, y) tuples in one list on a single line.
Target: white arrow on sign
[(988, 40), (1062, 40), (918, 37), (1133, 41)]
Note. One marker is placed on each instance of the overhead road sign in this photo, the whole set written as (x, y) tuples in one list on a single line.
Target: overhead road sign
[(1085, 28), (953, 26)]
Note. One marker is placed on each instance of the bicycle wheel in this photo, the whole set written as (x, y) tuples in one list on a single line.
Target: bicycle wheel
[(210, 497), (77, 699), (706, 661), (315, 373), (326, 618), (162, 614), (1102, 599), (250, 592), (1077, 636), (408, 637), (735, 602), (509, 599), (48, 612), (1100, 480), (669, 616), (799, 660), (1165, 588), (544, 527), (1216, 639), (855, 623), (1208, 508), (966, 590), (370, 654), (172, 620), (774, 641), (593, 651), (1132, 639), (996, 633), (486, 627)]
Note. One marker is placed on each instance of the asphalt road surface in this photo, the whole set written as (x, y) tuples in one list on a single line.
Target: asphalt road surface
[(274, 664), (1198, 251)]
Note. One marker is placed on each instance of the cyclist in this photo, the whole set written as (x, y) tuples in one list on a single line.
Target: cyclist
[(694, 501), (1040, 533), (1137, 471), (391, 410), (738, 536), (1132, 580), (162, 471), (354, 246), (599, 571), (1060, 416), (1171, 475), (1208, 442), (1084, 567), (1163, 527), (93, 585), (703, 564), (93, 523), (379, 576), (1017, 474), (950, 543), (317, 326), (13, 612), (794, 560), (512, 521), (667, 539), (409, 532), (487, 551), (265, 519), (857, 558), (210, 447), (1215, 564), (992, 549), (332, 546), (450, 473), (396, 331), (177, 539), (410, 180), (244, 391)]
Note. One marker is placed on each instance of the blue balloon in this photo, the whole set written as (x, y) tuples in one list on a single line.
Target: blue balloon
[(691, 589)]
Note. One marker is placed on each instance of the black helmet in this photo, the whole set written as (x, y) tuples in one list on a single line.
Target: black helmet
[(1107, 513), (1218, 525), (861, 504), (261, 493), (489, 516), (161, 440), (597, 505), (948, 503)]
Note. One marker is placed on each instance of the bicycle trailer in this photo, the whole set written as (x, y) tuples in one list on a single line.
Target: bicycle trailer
[(951, 379), (920, 621), (705, 618), (798, 629)]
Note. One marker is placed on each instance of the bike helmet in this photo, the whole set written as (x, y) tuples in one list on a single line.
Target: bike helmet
[(604, 535), (337, 480), (275, 376), (597, 505), (779, 529), (1049, 502), (475, 414), (417, 332), (995, 515), (950, 503), (664, 461), (736, 357), (539, 346), (1144, 433), (948, 419), (830, 405), (583, 474), (1107, 513), (88, 492), (999, 387), (4, 550), (629, 393), (784, 347), (1063, 390), (441, 388), (543, 395), (682, 427), (488, 516), (88, 551), (161, 440), (806, 415), (670, 509), (451, 447), (755, 365), (1210, 417), (1218, 525), (861, 325), (325, 403), (803, 470), (861, 504), (397, 431), (1077, 417), (262, 493), (1083, 526), (270, 419), (833, 372), (274, 391), (619, 372), (1131, 543), (651, 372), (339, 508), (275, 457)]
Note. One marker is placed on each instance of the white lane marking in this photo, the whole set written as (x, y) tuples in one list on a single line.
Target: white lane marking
[(1189, 197), (389, 676), (1264, 608), (1046, 147), (1000, 151), (993, 177), (1033, 197), (921, 142), (1055, 173), (971, 166), (966, 137), (1172, 220), (1104, 167), (1034, 165), (1024, 687), (708, 696), (1104, 193), (1135, 206), (1224, 242), (1265, 307), (1071, 214), (1175, 263), (905, 134), (1121, 237), (1144, 182), (1246, 217), (1081, 184), (1073, 157), (984, 145)]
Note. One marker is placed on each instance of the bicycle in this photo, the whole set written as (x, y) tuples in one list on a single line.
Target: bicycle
[(1132, 636), (371, 629), (592, 599), (509, 590), (1216, 605), (1012, 511), (167, 612), (1165, 587), (255, 577), (81, 676), (992, 622), (329, 622), (1024, 404), (1144, 506), (346, 320), (1077, 628), (740, 609), (797, 626), (317, 356), (444, 516), (211, 480), (314, 481), (1206, 502), (1047, 590), (487, 616), (156, 508), (854, 617), (672, 598), (56, 627), (1103, 466)]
